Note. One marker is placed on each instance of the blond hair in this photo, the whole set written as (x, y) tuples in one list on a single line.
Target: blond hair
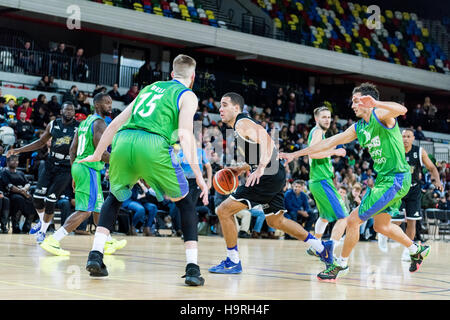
[(183, 66)]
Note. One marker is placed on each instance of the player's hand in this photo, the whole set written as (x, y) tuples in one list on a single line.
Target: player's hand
[(439, 186), (91, 158), (365, 101), (340, 152), (254, 177), (11, 152), (286, 156), (202, 185)]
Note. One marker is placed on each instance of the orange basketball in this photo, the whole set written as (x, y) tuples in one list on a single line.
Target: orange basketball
[(225, 182)]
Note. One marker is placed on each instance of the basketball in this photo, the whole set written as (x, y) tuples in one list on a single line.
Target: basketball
[(225, 182)]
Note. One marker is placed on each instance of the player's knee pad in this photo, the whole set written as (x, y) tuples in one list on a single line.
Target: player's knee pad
[(109, 211), (320, 226), (189, 218)]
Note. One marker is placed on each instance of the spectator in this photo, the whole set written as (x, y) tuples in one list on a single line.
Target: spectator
[(343, 193), (354, 197), (296, 204), (2, 107), (130, 95), (21, 200), (418, 134), (52, 86), (291, 107), (146, 198), (2, 160), (79, 67), (114, 93), (83, 106), (24, 129), (206, 120), (99, 89), (54, 107), (10, 110), (26, 59), (4, 211), (157, 74), (243, 228), (258, 212), (71, 95), (145, 74), (42, 117), (25, 107), (140, 217), (66, 204), (59, 62), (43, 84)]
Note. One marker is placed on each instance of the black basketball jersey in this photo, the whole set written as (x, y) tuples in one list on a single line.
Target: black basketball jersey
[(248, 151), (62, 136), (414, 159)]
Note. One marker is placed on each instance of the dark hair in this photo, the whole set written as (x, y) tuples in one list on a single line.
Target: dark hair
[(344, 188), (367, 89), (67, 103), (409, 129), (235, 98), (318, 110), (2, 100), (98, 98), (14, 156), (300, 182)]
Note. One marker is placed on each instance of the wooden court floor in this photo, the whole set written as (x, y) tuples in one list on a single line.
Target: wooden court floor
[(151, 268)]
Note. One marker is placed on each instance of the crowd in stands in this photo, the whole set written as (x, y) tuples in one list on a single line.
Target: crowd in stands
[(25, 121)]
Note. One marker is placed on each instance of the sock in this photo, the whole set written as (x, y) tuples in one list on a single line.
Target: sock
[(191, 255), (320, 226), (44, 226), (99, 242), (41, 216), (412, 248), (233, 254), (313, 242), (109, 238), (60, 234), (342, 261)]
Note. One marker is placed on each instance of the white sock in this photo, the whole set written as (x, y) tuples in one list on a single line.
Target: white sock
[(99, 241), (412, 248), (315, 243), (191, 255), (342, 261), (44, 226), (41, 216), (60, 234), (320, 226), (109, 238), (233, 254)]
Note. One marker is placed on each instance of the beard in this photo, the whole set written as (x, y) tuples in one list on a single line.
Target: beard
[(67, 119), (323, 128)]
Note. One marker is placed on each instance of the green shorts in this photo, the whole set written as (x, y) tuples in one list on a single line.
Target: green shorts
[(137, 154), (88, 188), (329, 202), (385, 196)]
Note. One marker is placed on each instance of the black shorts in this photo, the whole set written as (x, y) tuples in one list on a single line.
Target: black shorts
[(52, 182), (411, 203), (268, 192)]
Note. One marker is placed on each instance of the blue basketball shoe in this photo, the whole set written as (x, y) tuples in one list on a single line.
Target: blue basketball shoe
[(227, 266), (36, 228), (40, 237), (326, 255)]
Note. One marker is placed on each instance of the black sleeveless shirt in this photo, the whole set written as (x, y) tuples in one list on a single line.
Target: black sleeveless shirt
[(248, 151), (62, 136), (414, 159)]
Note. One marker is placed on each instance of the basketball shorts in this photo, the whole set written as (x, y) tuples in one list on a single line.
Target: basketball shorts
[(268, 192), (328, 201), (52, 182), (88, 188), (385, 196), (411, 204), (137, 154)]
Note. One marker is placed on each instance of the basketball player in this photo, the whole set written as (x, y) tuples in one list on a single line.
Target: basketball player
[(161, 114), (328, 200), (377, 130), (56, 175), (86, 177), (257, 152), (416, 158)]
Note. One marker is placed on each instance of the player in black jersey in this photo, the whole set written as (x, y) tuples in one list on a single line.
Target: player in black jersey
[(56, 175), (416, 158), (256, 152)]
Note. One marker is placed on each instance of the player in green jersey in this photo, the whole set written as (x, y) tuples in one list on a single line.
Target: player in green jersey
[(378, 131), (86, 178), (162, 113), (328, 200)]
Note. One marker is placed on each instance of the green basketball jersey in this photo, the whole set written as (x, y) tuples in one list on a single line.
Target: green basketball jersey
[(320, 169), (86, 142), (156, 109), (385, 145)]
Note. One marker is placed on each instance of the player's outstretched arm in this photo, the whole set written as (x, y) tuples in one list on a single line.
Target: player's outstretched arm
[(188, 106), (35, 145), (316, 138), (109, 133), (432, 169), (342, 138)]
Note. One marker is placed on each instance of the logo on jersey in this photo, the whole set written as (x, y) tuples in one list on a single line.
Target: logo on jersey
[(63, 140)]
